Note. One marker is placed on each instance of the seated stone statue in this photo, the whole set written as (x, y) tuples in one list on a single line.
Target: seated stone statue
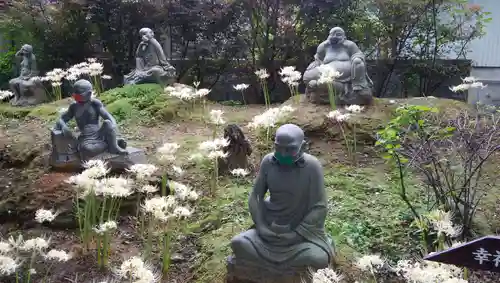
[(288, 230), (27, 90), (95, 141), (151, 64), (353, 86)]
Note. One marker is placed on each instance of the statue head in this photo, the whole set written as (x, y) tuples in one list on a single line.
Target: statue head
[(82, 91), (26, 49), (288, 144), (337, 35), (146, 34)]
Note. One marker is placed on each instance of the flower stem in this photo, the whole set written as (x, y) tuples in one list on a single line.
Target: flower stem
[(345, 140), (103, 208), (32, 260), (215, 177), (267, 99), (142, 224), (105, 249), (47, 272), (331, 96), (355, 150), (79, 217), (137, 205), (149, 242), (441, 239), (164, 183), (243, 96), (99, 251), (166, 252)]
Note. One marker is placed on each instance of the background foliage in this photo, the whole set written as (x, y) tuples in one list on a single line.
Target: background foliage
[(207, 37)]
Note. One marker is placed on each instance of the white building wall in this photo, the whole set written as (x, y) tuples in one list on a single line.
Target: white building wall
[(485, 56)]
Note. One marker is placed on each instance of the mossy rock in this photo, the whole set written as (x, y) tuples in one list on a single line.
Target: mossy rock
[(313, 118), (45, 111), (144, 102), (9, 111)]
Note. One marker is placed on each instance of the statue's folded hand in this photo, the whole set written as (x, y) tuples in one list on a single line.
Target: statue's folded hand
[(288, 236), (266, 233)]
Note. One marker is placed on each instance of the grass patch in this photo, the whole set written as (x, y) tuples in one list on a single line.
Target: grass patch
[(366, 214), (145, 103), (228, 216)]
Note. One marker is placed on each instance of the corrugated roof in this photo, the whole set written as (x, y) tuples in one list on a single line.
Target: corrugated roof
[(484, 51)]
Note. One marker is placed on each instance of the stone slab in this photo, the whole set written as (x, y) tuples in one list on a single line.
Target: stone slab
[(319, 95), (115, 162), (245, 272), (30, 95)]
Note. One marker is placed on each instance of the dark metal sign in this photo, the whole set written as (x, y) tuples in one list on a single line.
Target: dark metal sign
[(480, 254)]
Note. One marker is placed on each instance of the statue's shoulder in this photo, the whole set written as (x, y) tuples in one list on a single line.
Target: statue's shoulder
[(348, 43), (323, 44), (267, 160), (312, 162), (72, 106), (97, 103)]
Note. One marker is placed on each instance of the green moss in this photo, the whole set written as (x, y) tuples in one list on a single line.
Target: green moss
[(122, 109), (8, 111), (143, 103), (45, 112)]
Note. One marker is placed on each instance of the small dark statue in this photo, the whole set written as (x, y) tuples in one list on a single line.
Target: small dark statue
[(151, 65), (288, 237), (27, 90), (95, 141), (238, 150)]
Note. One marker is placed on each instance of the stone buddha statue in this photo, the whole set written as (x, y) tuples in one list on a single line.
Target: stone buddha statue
[(95, 141), (353, 86), (27, 90), (288, 232), (151, 65)]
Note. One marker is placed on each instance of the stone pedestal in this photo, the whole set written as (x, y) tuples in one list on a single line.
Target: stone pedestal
[(65, 156), (344, 95), (31, 93), (159, 75), (247, 272)]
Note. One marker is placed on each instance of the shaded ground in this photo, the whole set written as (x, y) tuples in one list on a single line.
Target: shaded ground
[(359, 196)]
